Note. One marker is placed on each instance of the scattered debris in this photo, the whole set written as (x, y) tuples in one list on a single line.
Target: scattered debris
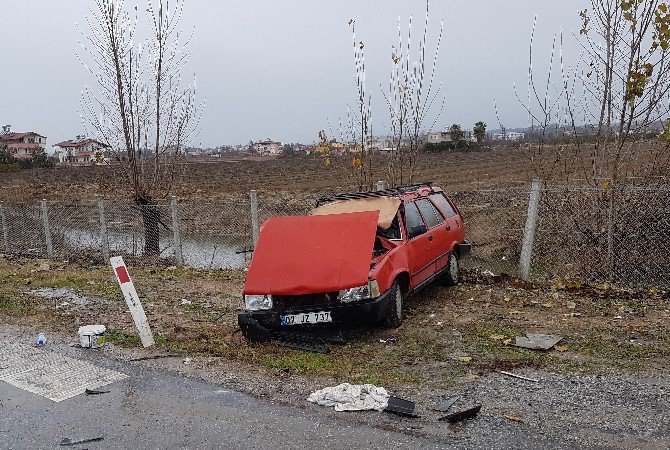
[(145, 358), (389, 340), (521, 377), (351, 397), (187, 361), (95, 392), (461, 415), (92, 336), (61, 294), (537, 341), (401, 406), (513, 417), (67, 441), (488, 273), (570, 304), (185, 302), (305, 346), (41, 339), (446, 404)]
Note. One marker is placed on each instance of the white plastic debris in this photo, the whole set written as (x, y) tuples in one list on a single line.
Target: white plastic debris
[(488, 273), (351, 397)]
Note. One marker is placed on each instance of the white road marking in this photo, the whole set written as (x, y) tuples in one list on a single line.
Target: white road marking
[(50, 374)]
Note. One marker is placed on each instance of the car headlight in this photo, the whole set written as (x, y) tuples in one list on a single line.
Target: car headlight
[(369, 290), (257, 302)]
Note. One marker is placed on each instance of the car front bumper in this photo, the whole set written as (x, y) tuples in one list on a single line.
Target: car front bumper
[(261, 325)]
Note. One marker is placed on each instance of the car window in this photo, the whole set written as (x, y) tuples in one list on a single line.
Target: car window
[(413, 221), (392, 232), (431, 215), (441, 201)]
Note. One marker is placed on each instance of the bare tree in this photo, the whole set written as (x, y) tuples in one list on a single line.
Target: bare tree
[(410, 98), (140, 106)]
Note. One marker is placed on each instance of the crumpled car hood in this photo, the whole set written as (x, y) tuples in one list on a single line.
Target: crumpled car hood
[(311, 254)]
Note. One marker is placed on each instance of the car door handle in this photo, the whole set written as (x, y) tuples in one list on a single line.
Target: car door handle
[(448, 227), (430, 237)]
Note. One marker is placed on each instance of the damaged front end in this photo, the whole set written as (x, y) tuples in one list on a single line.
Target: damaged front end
[(311, 271)]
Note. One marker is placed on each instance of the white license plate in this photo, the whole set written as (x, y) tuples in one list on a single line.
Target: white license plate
[(304, 318)]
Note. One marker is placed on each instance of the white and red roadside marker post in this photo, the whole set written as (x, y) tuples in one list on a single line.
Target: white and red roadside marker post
[(133, 300)]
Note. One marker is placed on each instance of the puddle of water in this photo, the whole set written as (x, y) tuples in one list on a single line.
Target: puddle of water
[(61, 293)]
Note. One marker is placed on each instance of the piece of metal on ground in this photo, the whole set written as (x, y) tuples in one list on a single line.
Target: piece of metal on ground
[(67, 441), (446, 404), (401, 406), (50, 374), (461, 415), (534, 341), (146, 358), (304, 346), (95, 392), (521, 377)]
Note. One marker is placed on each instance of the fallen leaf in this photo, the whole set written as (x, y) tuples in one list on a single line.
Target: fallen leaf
[(561, 348), (549, 304), (497, 337), (464, 359), (507, 341), (513, 417), (570, 305)]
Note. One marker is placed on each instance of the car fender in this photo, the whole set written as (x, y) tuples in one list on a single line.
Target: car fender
[(391, 266)]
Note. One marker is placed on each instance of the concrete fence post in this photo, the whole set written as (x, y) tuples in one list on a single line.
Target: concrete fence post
[(104, 237), (5, 227), (529, 229), (47, 230), (255, 225), (178, 253), (381, 185)]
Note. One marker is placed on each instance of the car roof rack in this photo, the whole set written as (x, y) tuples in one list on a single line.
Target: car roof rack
[(391, 192)]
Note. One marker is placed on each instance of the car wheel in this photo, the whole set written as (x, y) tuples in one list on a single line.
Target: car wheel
[(395, 310), (452, 276)]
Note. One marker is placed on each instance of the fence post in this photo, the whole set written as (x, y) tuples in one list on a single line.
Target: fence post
[(5, 230), (529, 229), (255, 226), (47, 230), (104, 237), (381, 185), (179, 256)]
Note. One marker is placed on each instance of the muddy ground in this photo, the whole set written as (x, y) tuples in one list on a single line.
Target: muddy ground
[(453, 342)]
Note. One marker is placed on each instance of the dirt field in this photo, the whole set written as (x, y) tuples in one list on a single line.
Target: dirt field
[(218, 180)]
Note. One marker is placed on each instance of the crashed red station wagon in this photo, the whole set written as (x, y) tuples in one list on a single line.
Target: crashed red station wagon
[(355, 258)]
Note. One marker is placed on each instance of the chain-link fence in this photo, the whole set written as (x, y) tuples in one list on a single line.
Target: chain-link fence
[(621, 236)]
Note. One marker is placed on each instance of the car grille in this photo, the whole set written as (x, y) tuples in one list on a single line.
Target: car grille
[(289, 302)]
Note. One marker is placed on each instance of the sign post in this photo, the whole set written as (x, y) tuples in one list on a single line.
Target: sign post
[(133, 300)]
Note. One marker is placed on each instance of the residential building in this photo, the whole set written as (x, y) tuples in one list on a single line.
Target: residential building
[(509, 136), (81, 151), (22, 145), (267, 148), (437, 137)]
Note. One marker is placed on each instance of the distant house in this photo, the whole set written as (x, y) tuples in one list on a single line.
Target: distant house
[(437, 137), (509, 136), (22, 145), (267, 148), (81, 151)]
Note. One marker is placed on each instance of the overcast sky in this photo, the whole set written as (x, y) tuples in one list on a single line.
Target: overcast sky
[(283, 69)]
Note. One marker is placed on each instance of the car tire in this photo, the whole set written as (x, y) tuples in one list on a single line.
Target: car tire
[(452, 276), (395, 311)]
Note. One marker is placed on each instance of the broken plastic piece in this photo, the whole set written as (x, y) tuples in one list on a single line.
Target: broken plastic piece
[(95, 392), (446, 404), (521, 377), (537, 341), (401, 406), (462, 415), (67, 441)]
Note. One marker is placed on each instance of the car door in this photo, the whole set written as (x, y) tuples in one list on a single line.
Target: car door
[(453, 223), (440, 243), (421, 262)]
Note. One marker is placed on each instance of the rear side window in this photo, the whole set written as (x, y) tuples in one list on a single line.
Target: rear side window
[(432, 217), (413, 221), (441, 201)]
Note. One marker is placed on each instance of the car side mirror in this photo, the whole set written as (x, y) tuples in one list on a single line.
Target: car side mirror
[(417, 230)]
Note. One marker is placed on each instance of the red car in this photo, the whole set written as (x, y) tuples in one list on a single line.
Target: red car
[(355, 258)]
